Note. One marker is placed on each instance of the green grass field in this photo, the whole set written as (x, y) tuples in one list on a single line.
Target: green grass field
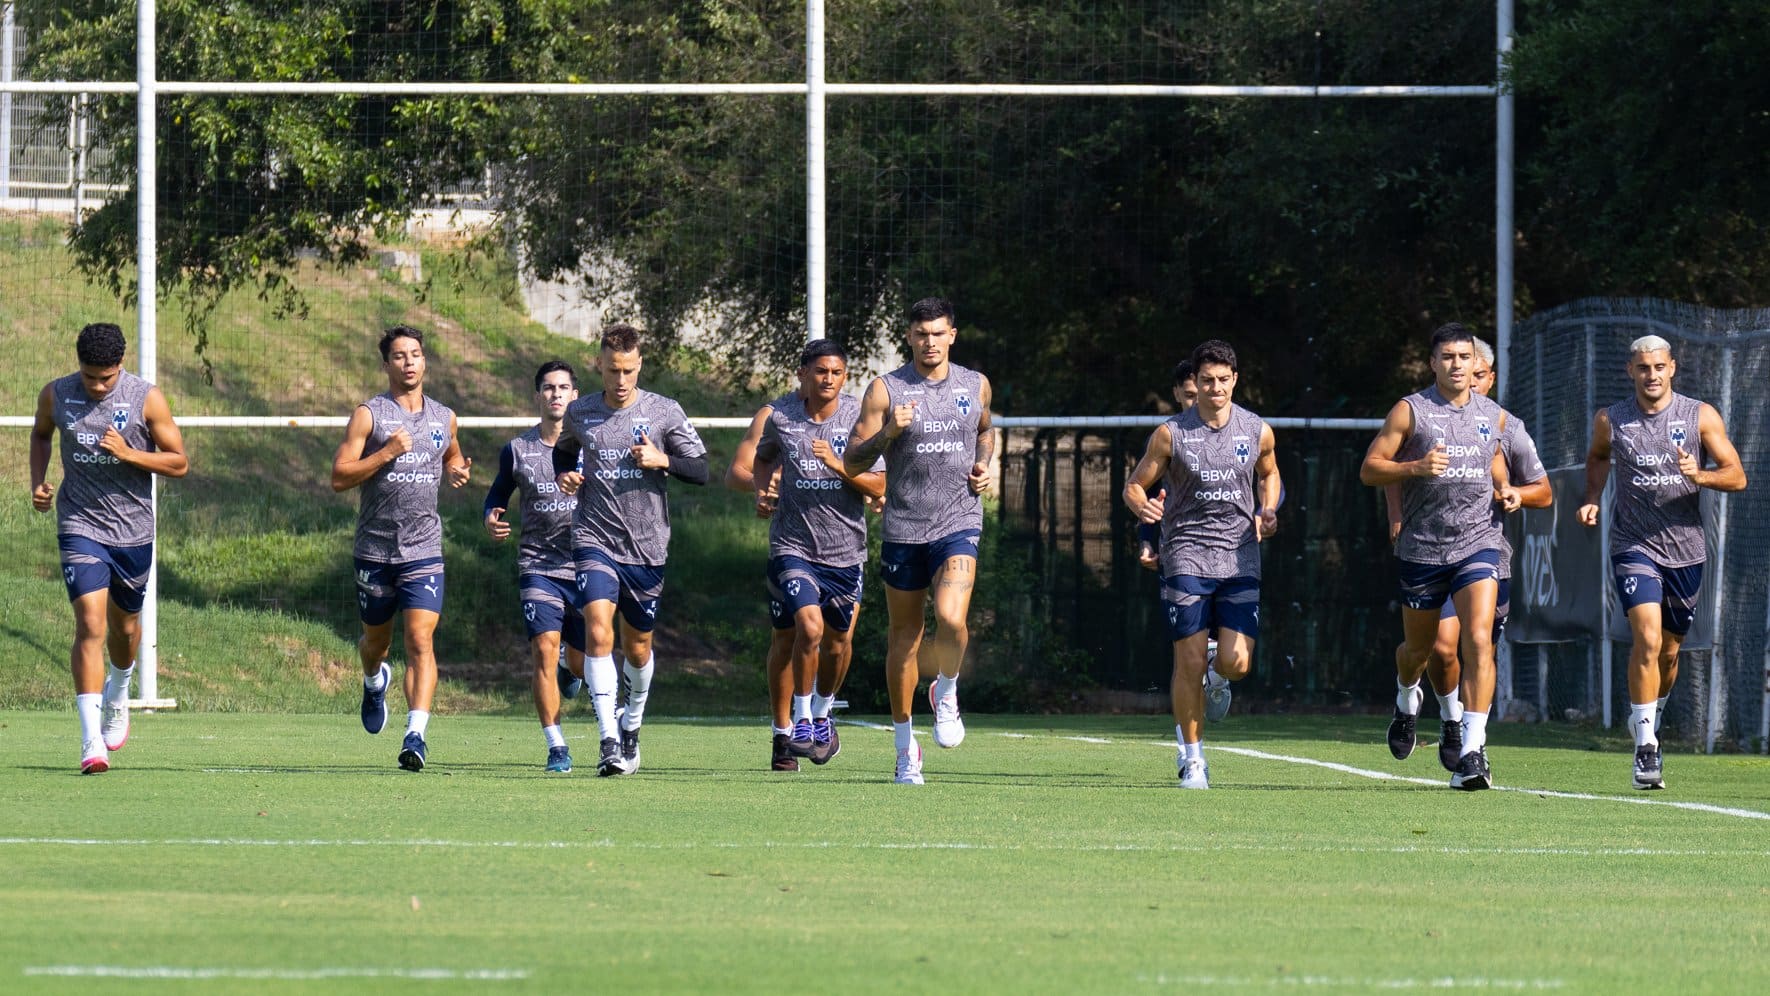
[(287, 854)]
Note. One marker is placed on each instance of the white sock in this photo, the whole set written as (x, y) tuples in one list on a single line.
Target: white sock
[(801, 708), (821, 704), (944, 686), (1474, 731), (1450, 707), (902, 734), (1408, 698), (1194, 751), (1642, 724), (377, 681), (600, 673), (86, 706), (417, 721), (1180, 739), (782, 731), (555, 736), (638, 688), (1659, 716), (116, 687)]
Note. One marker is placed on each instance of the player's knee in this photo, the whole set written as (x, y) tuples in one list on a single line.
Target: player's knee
[(1234, 666), (1650, 645), (809, 627)]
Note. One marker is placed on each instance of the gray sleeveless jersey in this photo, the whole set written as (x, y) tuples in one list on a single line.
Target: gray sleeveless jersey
[(1208, 518), (397, 521), (818, 517), (546, 544), (926, 468), (1449, 518), (101, 497), (1523, 466), (1656, 511), (623, 509)]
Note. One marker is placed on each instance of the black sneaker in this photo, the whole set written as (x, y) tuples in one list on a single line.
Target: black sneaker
[(629, 751), (610, 762), (1472, 774), (1401, 735), (803, 743), (783, 759), (1648, 774), (412, 752), (1450, 744), (825, 743)]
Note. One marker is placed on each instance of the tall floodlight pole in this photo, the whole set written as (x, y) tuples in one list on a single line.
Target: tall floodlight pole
[(147, 337), (1502, 200), (814, 170)]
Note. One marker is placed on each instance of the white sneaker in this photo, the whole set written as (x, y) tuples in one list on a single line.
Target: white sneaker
[(909, 765), (949, 729), (1195, 775), (113, 718), (94, 760), (1217, 696)]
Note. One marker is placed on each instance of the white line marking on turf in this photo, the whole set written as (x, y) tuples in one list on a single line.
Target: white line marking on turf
[(1348, 982), (281, 974)]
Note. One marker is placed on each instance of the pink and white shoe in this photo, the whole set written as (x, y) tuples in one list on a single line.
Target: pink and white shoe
[(94, 759), (949, 729), (909, 765), (113, 720)]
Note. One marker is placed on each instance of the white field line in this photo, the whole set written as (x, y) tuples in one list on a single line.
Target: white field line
[(832, 845), (279, 974), (1361, 983)]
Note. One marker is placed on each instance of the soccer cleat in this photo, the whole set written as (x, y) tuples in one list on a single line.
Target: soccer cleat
[(804, 743), (412, 751), (610, 762), (1217, 696), (1401, 735), (375, 703), (909, 765), (559, 759), (569, 684), (1450, 744), (783, 759), (94, 760), (629, 751), (113, 722), (949, 729), (1472, 774), (1195, 774), (825, 743), (1648, 773)]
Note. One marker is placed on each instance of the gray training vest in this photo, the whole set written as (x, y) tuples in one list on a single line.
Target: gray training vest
[(1212, 496), (397, 521), (1449, 518), (546, 544), (819, 517), (926, 468), (1656, 511), (623, 509), (102, 498)]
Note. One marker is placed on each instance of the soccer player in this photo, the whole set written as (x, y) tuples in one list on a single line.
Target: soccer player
[(930, 420), (116, 433), (1657, 552), (398, 447), (817, 547), (1218, 462), (547, 578), (630, 441), (1149, 534), (1442, 446), (1443, 667)]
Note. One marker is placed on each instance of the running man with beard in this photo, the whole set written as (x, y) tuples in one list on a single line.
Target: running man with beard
[(116, 433), (1657, 551)]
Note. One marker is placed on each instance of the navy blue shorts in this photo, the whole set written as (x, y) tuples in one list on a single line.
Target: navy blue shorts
[(550, 605), (1429, 586), (1502, 607), (384, 589), (794, 583), (88, 566), (634, 588), (1640, 581), (911, 566), (1201, 605)]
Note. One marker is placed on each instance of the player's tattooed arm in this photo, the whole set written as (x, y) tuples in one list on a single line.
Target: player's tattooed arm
[(1729, 474), (1597, 468), (1148, 471), (873, 430), (978, 480)]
